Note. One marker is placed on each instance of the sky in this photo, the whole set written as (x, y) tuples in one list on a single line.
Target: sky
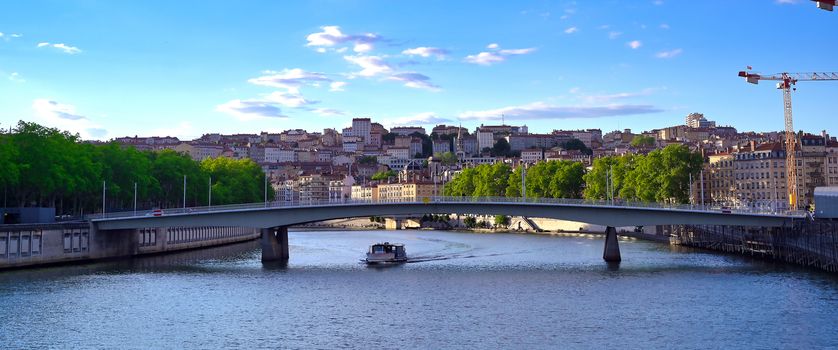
[(107, 69)]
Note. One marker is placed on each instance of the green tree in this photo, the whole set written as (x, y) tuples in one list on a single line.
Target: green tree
[(576, 144), (502, 220), (384, 175), (501, 149), (446, 158), (643, 141)]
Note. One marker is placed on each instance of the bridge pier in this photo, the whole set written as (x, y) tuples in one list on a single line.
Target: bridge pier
[(611, 253), (275, 243)]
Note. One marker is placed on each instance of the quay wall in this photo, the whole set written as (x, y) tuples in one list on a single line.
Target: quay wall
[(40, 244), (807, 243)]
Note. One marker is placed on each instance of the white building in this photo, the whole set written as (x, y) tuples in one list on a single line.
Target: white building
[(485, 139), (361, 127), (399, 152)]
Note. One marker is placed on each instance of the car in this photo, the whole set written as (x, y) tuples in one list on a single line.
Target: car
[(155, 212)]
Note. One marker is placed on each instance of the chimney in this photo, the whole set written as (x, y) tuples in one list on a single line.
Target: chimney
[(752, 146)]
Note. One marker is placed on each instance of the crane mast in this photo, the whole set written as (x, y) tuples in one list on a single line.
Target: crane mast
[(791, 154), (786, 82)]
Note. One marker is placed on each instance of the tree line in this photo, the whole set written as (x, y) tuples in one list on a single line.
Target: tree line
[(41, 166), (661, 176)]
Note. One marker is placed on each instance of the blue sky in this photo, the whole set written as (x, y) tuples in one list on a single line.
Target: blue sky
[(183, 68)]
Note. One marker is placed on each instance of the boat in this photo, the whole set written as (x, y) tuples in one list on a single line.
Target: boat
[(386, 253)]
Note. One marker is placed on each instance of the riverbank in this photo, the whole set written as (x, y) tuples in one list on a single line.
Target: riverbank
[(51, 244)]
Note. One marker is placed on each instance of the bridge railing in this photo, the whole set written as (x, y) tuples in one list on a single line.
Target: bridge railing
[(441, 199)]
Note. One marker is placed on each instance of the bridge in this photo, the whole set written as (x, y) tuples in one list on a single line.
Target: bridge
[(274, 218)]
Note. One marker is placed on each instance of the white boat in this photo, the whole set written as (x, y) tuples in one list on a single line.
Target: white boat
[(386, 253)]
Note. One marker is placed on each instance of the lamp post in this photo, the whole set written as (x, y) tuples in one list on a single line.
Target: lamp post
[(184, 191), (209, 199), (103, 197), (135, 198)]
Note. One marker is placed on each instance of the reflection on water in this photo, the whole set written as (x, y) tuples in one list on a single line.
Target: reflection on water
[(458, 290)]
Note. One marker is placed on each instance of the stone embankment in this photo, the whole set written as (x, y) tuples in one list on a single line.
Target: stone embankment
[(32, 245)]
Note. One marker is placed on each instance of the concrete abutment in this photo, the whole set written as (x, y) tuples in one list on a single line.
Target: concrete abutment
[(275, 243), (611, 252)]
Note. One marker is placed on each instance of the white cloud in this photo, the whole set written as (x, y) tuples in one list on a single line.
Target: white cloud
[(337, 86), (15, 77), (290, 79), (489, 58), (426, 52), (371, 65), (65, 117), (289, 99), (15, 35), (72, 50), (362, 47), (789, 2), (332, 36), (492, 46), (182, 130), (328, 112), (485, 58), (634, 44), (517, 51), (571, 30), (247, 110), (541, 110), (426, 118), (415, 80), (608, 98), (51, 109), (614, 35), (669, 54), (664, 26)]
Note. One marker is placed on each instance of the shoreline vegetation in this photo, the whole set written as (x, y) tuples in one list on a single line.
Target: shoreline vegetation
[(41, 166)]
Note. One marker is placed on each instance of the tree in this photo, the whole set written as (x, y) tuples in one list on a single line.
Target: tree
[(502, 220), (660, 176), (643, 141), (368, 160), (567, 180), (447, 158), (501, 149), (384, 175), (470, 222), (576, 144)]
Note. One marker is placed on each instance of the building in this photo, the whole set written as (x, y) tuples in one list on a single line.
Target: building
[(720, 182), (407, 130), (361, 127), (532, 155), (521, 142), (399, 152), (831, 163), (449, 130), (412, 191), (697, 120), (441, 146), (759, 175), (200, 151), (485, 139)]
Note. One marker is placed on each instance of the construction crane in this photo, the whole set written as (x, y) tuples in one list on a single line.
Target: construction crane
[(786, 82), (826, 4)]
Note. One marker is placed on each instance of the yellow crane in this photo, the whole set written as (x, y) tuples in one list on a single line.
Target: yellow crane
[(786, 82)]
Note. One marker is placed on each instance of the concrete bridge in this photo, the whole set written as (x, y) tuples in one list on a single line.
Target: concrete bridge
[(274, 218)]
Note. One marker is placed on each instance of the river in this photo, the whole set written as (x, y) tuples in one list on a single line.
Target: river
[(462, 290)]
